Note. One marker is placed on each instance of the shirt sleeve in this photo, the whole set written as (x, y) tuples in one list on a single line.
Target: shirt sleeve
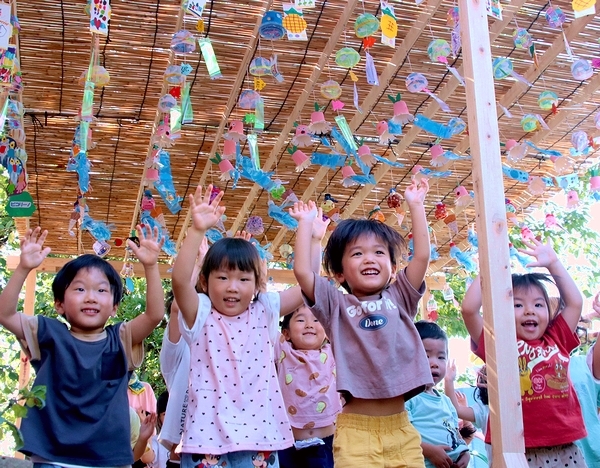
[(171, 355), (272, 304), (30, 345), (406, 295), (481, 413), (134, 353), (190, 334), (564, 336)]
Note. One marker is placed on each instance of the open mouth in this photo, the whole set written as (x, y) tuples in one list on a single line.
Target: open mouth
[(370, 272), (529, 325), (90, 311)]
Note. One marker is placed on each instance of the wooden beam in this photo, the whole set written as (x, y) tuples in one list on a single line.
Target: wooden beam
[(494, 259)]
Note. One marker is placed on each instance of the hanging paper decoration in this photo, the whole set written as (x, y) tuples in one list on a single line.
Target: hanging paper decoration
[(302, 138), (514, 254), (502, 67), (331, 89), (515, 151), (440, 211), (547, 100), (183, 42), (389, 25), (236, 131), (347, 57), (271, 26), (248, 99), (210, 59), (100, 12), (581, 144), (463, 197), (582, 69), (281, 215), (530, 123), (511, 211), (416, 82), (173, 75), (385, 137), (452, 20), (366, 25), (318, 124), (401, 114), (437, 159), (583, 7), (555, 17), (225, 167), (376, 214), (464, 259), (365, 155), (438, 51), (522, 39), (572, 200), (347, 176), (454, 127), (394, 199), (255, 226), (536, 185), (164, 185), (595, 179), (294, 22)]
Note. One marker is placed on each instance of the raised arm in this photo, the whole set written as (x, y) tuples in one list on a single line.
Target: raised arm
[(569, 292), (305, 214), (471, 305), (147, 253), (33, 254), (204, 214), (463, 410), (417, 267)]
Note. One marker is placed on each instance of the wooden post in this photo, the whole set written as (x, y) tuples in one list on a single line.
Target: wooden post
[(494, 261)]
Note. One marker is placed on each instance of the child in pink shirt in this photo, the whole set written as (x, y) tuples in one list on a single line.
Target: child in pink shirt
[(306, 371)]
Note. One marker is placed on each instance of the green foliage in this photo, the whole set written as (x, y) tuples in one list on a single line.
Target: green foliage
[(17, 408), (449, 317)]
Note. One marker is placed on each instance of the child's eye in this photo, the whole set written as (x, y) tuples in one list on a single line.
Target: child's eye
[(102, 290), (223, 278), (380, 252), (356, 254), (539, 304), (518, 305)]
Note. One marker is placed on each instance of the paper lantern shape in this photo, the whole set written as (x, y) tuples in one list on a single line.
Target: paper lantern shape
[(248, 99), (347, 174), (438, 50), (463, 198), (536, 185), (183, 42), (229, 149), (255, 226), (572, 199), (562, 164), (365, 155), (416, 82), (437, 156), (530, 123), (236, 131), (385, 137), (547, 100), (347, 57), (394, 199), (331, 89), (515, 151), (100, 76), (300, 159), (580, 141), (302, 138), (582, 69), (555, 17), (550, 221), (502, 67), (366, 25), (401, 114), (271, 26), (173, 75), (166, 103), (260, 66), (522, 39)]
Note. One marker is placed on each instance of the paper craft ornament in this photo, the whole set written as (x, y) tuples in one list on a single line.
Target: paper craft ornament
[(99, 76), (572, 200), (452, 19), (229, 149), (294, 22), (225, 167), (331, 89), (583, 7), (595, 179), (536, 185), (366, 25), (100, 13), (376, 214), (260, 66), (183, 42), (385, 137), (210, 59), (463, 198), (388, 23), (166, 103), (522, 39), (318, 124), (236, 131), (300, 158), (248, 99), (464, 259), (173, 75), (365, 155), (255, 226), (271, 26), (580, 142), (555, 17), (438, 51), (347, 57), (416, 82), (302, 137), (437, 158), (515, 151), (547, 100), (582, 69), (401, 114), (347, 176), (530, 123), (394, 199), (550, 221), (440, 211), (502, 67), (432, 309), (147, 202), (561, 165)]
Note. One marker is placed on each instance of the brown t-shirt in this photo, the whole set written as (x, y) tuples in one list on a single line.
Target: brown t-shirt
[(377, 349)]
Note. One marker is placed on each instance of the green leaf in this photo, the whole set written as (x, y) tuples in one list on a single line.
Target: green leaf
[(19, 411)]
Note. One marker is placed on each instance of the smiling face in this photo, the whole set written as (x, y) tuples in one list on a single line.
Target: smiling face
[(531, 313), (437, 355), (366, 266), (230, 290), (305, 332), (88, 302)]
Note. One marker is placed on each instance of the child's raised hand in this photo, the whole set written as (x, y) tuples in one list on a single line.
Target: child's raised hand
[(320, 225), (461, 398), (33, 252), (304, 211), (148, 424), (417, 190), (205, 213), (451, 370), (149, 249), (243, 235), (543, 253)]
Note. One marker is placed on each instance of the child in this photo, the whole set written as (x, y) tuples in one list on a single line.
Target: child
[(431, 412), (306, 371), (160, 452), (543, 344), (85, 366), (235, 414), (379, 356)]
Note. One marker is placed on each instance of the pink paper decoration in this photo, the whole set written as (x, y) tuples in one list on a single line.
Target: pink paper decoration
[(318, 124), (401, 114), (236, 131), (365, 155), (437, 158), (302, 138), (301, 160)]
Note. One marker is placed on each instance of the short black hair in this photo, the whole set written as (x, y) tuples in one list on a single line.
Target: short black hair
[(347, 231), (161, 402), (169, 298), (232, 253), (67, 273), (430, 330), (535, 280)]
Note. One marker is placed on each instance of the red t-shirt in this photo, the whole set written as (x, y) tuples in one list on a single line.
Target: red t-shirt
[(551, 411)]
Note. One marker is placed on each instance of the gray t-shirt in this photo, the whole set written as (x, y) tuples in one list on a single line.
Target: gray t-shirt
[(377, 349)]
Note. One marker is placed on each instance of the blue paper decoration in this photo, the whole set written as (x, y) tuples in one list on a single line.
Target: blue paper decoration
[(271, 26)]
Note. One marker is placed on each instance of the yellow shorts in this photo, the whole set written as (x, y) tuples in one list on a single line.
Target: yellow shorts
[(376, 441)]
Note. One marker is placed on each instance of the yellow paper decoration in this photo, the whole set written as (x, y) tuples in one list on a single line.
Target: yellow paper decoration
[(389, 26)]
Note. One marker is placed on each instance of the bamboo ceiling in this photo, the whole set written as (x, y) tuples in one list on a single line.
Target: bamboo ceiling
[(55, 43)]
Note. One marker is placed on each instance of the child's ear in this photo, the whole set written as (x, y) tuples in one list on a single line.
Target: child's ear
[(114, 312), (203, 284), (339, 277), (58, 306), (286, 334)]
